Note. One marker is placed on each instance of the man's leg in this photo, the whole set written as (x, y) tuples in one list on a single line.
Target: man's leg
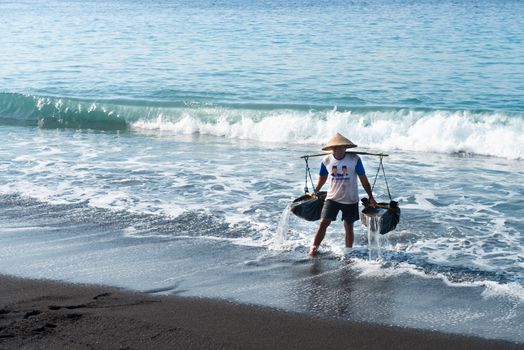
[(319, 235), (350, 236), (350, 215)]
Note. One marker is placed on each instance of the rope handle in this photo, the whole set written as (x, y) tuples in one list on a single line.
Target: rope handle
[(381, 165), (308, 172)]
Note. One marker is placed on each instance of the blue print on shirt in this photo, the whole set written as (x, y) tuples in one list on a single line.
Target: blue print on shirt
[(359, 168)]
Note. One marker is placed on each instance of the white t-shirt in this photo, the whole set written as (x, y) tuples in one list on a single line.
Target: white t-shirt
[(342, 177)]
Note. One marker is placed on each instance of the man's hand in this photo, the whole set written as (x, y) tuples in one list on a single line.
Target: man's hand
[(372, 202)]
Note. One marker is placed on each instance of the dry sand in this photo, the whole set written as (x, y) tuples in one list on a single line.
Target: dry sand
[(53, 315)]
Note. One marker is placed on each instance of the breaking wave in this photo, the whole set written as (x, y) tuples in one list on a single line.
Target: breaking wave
[(487, 133)]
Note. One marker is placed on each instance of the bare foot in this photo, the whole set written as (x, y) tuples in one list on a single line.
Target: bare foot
[(313, 250)]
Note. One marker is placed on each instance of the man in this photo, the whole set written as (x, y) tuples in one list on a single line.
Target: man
[(342, 194)]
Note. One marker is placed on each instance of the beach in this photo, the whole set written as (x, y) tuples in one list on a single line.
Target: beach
[(36, 314)]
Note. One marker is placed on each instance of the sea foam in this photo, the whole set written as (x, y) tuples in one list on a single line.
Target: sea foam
[(490, 134)]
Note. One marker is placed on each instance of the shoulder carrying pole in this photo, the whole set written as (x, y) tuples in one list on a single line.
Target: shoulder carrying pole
[(305, 156)]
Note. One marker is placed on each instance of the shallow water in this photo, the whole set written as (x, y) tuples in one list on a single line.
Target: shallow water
[(455, 214)]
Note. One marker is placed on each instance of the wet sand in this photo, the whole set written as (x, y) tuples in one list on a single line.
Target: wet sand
[(37, 314)]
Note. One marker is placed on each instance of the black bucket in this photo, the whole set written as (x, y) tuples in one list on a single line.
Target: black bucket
[(388, 214), (309, 206)]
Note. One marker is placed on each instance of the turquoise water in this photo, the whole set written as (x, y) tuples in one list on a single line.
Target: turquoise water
[(155, 145), (432, 54)]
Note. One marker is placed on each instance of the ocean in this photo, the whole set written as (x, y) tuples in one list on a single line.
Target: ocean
[(155, 146)]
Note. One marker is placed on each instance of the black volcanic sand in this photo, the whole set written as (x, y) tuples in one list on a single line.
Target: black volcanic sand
[(38, 314)]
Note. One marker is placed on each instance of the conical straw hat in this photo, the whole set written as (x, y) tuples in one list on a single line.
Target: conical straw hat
[(338, 140)]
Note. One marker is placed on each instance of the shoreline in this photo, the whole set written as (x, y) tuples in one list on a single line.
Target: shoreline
[(52, 314)]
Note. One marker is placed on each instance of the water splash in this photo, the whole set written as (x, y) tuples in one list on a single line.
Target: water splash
[(376, 242), (373, 238), (281, 232)]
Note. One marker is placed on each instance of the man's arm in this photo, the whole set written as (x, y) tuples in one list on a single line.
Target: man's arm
[(367, 187), (321, 181)]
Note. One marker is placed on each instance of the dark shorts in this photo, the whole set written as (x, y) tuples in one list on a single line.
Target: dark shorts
[(331, 209)]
